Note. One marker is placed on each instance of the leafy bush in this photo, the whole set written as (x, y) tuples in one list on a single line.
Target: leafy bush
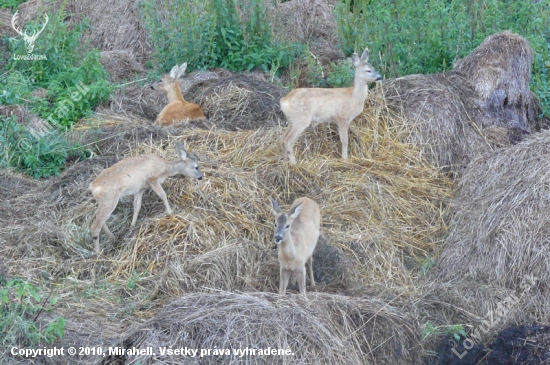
[(41, 157), (69, 62), (11, 4), (73, 80), (426, 36), (22, 304), (232, 34)]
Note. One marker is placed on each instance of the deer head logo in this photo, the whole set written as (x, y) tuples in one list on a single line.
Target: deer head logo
[(29, 40)]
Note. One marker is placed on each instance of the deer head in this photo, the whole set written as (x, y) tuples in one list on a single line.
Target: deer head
[(29, 40)]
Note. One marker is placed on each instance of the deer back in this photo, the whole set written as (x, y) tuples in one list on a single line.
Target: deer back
[(328, 104), (134, 174), (128, 176)]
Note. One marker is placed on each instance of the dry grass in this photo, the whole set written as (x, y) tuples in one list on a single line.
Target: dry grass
[(380, 211), (500, 72), (331, 329), (500, 217)]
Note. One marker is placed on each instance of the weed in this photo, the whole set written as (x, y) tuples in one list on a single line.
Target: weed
[(22, 305)]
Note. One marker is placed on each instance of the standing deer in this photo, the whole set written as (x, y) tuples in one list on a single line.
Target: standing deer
[(320, 105), (133, 176), (178, 109), (29, 39), (296, 235)]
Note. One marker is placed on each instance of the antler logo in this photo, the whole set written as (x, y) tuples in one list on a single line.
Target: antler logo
[(29, 40)]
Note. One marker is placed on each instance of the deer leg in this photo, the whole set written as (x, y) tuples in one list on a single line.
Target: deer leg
[(283, 280), (302, 280), (157, 188), (310, 263), (105, 211), (343, 129), (137, 206), (293, 132), (108, 232)]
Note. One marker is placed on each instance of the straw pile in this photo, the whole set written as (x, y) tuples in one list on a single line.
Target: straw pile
[(499, 230), (328, 328), (230, 101), (115, 25), (500, 72), (483, 104)]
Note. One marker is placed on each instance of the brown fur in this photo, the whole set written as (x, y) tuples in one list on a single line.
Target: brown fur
[(315, 105), (178, 109), (133, 176)]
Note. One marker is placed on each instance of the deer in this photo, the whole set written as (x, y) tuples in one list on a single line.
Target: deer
[(178, 109), (304, 106), (133, 176), (296, 234), (29, 39)]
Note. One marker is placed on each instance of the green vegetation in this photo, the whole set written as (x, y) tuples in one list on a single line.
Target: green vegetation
[(72, 81), (231, 34), (22, 305), (426, 36), (456, 330), (11, 4), (41, 157)]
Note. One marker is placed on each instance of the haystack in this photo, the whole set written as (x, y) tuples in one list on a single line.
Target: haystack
[(308, 22), (121, 65), (459, 115), (241, 102), (230, 101), (115, 26), (500, 72), (378, 207), (328, 328), (499, 230)]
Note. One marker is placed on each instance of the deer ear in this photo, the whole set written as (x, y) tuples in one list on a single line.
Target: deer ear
[(275, 207), (294, 212), (365, 55), (181, 70), (355, 59), (182, 152), (174, 71)]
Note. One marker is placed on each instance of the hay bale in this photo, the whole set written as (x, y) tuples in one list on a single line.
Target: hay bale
[(500, 71), (241, 101), (121, 65), (136, 101), (455, 116), (394, 203), (332, 329), (499, 229), (438, 114), (308, 22)]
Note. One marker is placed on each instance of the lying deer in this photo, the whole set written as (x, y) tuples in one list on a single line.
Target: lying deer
[(296, 235), (178, 109), (320, 105), (133, 176)]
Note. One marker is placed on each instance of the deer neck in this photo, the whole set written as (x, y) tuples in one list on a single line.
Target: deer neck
[(287, 246), (173, 168), (360, 89), (174, 93)]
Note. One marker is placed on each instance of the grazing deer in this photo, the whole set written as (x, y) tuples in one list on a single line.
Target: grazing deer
[(133, 176), (296, 235), (320, 105), (178, 108)]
